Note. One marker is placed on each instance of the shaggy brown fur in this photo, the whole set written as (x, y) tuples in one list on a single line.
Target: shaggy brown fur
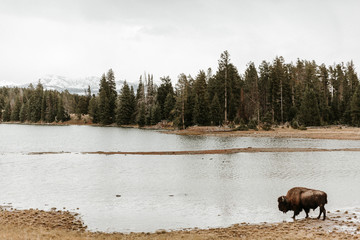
[(299, 198)]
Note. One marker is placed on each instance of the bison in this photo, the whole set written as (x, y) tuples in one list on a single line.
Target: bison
[(299, 198)]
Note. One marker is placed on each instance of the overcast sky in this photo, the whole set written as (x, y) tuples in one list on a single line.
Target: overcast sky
[(80, 38)]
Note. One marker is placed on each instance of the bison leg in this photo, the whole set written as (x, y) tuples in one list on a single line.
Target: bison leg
[(296, 212), (319, 213), (323, 211), (307, 212)]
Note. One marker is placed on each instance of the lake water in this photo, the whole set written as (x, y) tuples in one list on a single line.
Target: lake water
[(166, 192)]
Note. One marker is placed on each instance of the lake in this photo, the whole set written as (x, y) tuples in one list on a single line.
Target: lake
[(138, 193)]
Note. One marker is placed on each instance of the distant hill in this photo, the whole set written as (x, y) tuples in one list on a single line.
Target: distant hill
[(73, 85)]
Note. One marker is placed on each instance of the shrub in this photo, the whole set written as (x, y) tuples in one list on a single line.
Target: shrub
[(294, 124), (266, 127), (241, 127), (302, 127), (231, 125), (253, 125)]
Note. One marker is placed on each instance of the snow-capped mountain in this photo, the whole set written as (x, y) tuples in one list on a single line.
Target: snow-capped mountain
[(73, 85), (7, 84), (61, 83)]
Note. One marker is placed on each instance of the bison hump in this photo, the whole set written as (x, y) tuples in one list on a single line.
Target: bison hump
[(313, 198)]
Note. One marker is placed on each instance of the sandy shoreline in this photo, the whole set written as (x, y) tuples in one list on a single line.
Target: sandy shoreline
[(38, 224), (212, 151), (329, 132), (338, 132)]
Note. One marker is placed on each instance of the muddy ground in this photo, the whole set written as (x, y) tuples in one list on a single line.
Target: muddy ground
[(38, 224)]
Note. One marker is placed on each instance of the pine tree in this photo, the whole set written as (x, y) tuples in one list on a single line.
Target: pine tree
[(309, 110), (164, 90), (150, 98), (112, 95), (107, 98), (251, 91), (351, 81), (43, 106), (196, 111), (202, 107), (140, 94), (60, 113), (277, 78), (339, 85), (289, 108), (104, 102), (50, 105), (190, 102), (125, 110), (7, 113), (264, 88), (141, 116), (169, 106), (156, 116), (181, 98), (355, 107), (140, 100), (15, 113), (223, 66), (2, 105), (23, 112), (324, 95), (82, 105), (227, 82), (94, 109), (215, 114), (132, 104), (35, 103), (351, 77)]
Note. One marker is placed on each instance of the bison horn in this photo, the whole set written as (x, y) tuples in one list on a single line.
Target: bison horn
[(283, 198)]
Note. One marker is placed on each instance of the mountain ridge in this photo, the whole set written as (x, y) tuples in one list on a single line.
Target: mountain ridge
[(73, 85)]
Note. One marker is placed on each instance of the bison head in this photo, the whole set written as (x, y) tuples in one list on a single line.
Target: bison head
[(283, 205)]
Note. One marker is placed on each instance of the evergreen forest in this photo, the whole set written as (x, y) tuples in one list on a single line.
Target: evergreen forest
[(301, 93)]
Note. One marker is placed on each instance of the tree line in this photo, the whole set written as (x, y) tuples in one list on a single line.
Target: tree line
[(34, 104), (302, 94)]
